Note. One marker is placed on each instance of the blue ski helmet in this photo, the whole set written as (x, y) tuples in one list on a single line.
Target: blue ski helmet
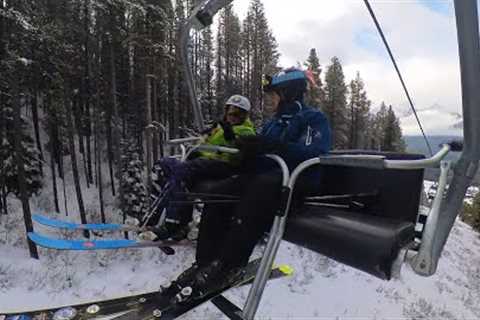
[(290, 84)]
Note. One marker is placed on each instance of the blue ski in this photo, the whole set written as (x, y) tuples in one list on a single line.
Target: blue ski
[(54, 223), (65, 244)]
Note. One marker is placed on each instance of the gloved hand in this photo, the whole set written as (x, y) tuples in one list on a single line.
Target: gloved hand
[(249, 146), (227, 131), (456, 145), (253, 146), (209, 130)]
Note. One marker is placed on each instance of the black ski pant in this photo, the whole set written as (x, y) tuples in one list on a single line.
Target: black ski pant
[(229, 232), (199, 170)]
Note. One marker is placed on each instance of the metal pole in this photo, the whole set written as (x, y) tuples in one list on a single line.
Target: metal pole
[(466, 167), (183, 47), (276, 235), (202, 16), (422, 262)]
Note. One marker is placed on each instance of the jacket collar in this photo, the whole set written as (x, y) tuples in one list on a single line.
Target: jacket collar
[(289, 108)]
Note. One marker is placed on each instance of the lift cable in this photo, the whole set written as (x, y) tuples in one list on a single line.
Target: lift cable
[(379, 28)]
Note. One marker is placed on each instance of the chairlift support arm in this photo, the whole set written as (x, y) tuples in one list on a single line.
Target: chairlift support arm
[(466, 14), (201, 17)]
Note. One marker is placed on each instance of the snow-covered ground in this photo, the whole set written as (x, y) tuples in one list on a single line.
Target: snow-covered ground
[(320, 288)]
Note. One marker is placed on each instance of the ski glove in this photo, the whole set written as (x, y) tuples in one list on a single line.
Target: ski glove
[(253, 146), (228, 133), (209, 129)]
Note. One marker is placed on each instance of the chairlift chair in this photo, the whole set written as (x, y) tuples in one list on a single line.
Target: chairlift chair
[(373, 236)]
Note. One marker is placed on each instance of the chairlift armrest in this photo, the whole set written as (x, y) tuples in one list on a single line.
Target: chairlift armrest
[(364, 161), (183, 140), (214, 148), (433, 161)]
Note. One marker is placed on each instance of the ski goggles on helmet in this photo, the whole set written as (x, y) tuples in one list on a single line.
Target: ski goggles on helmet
[(283, 80)]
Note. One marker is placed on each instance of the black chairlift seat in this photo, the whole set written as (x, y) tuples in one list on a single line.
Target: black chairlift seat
[(369, 239)]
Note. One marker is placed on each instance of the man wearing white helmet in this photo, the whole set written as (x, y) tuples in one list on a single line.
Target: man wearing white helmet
[(206, 165), (235, 123)]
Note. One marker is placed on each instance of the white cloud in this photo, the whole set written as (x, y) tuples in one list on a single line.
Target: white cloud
[(423, 42), (443, 124)]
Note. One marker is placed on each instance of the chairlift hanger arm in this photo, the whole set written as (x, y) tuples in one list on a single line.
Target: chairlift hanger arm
[(201, 17)]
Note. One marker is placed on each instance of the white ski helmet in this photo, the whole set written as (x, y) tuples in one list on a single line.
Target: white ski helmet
[(239, 101)]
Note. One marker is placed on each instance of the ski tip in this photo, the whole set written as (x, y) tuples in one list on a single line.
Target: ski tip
[(169, 251), (286, 269), (17, 317)]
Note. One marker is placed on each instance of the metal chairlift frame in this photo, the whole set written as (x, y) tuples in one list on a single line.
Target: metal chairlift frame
[(444, 210)]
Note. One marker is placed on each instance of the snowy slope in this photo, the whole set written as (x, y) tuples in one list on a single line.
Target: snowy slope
[(320, 287)]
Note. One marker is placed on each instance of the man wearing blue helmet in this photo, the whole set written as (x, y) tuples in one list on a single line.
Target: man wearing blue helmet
[(229, 232)]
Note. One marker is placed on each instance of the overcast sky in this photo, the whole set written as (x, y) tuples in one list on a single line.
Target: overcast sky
[(421, 33)]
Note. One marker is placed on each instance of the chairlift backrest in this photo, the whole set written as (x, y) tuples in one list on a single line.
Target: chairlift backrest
[(369, 239), (398, 191)]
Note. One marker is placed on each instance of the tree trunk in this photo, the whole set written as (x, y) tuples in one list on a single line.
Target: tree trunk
[(155, 117), (3, 200), (87, 123), (96, 133), (149, 132), (3, 31), (77, 107), (71, 142), (27, 215), (36, 128), (115, 121), (65, 200), (52, 168), (110, 152), (98, 162)]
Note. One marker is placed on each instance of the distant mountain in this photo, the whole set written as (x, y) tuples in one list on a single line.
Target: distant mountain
[(458, 125), (436, 120)]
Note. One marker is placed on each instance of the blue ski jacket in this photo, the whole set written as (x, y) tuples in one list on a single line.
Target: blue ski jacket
[(303, 131)]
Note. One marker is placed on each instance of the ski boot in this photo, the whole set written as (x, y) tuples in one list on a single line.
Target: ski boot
[(206, 280), (171, 231)]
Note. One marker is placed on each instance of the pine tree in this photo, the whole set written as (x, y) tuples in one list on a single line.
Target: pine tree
[(315, 95), (379, 124), (392, 139), (358, 114), (228, 57), (471, 213), (182, 101), (131, 181), (205, 83), (30, 155), (335, 103), (260, 55)]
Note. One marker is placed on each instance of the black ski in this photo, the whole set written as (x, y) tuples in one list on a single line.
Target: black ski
[(164, 309), (141, 306), (227, 307)]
